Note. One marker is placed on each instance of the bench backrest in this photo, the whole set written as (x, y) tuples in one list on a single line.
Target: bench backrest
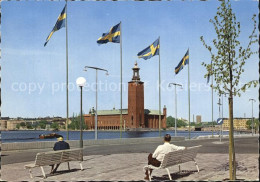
[(189, 154), (179, 156), (55, 157), (172, 158)]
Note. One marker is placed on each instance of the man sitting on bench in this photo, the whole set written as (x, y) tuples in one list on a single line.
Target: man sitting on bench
[(60, 145), (156, 158)]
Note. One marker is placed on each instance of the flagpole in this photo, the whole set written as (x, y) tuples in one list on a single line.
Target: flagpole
[(189, 90), (120, 79), (212, 97), (159, 88), (67, 76)]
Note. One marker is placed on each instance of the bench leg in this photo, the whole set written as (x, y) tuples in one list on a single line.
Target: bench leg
[(30, 171), (68, 165), (81, 167), (179, 168), (168, 173), (149, 174), (44, 176), (196, 165)]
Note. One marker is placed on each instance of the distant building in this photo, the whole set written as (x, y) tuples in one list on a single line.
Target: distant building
[(11, 124), (3, 124), (238, 123), (184, 120), (133, 117), (7, 123), (198, 119)]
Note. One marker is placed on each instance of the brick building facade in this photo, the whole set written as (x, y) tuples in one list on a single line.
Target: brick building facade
[(134, 117)]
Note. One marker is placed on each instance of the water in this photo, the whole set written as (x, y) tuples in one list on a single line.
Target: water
[(33, 136)]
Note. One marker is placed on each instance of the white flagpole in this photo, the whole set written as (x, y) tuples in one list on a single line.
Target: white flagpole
[(159, 88), (121, 80), (67, 76), (189, 89)]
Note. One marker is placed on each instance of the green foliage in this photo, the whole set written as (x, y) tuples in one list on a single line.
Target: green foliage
[(170, 122), (249, 124), (29, 126), (192, 124), (18, 126), (55, 125), (35, 125), (75, 123), (228, 59), (195, 124), (22, 124), (210, 123), (42, 124)]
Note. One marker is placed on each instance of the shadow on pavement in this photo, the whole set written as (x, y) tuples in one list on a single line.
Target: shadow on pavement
[(59, 173), (175, 176)]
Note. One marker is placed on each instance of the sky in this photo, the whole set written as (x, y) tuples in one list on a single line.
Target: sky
[(34, 76)]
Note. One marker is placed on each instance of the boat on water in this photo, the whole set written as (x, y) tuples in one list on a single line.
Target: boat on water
[(51, 135)]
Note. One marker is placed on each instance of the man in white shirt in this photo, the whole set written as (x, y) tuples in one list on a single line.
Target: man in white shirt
[(156, 158)]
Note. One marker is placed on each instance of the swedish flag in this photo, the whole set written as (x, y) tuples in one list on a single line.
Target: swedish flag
[(183, 62), (150, 51), (112, 36), (59, 24)]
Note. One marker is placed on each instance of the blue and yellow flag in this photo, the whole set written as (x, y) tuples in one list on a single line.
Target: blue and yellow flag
[(112, 36), (183, 62), (59, 24), (150, 51)]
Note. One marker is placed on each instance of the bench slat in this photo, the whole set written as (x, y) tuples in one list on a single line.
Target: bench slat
[(72, 155), (55, 157), (172, 158), (179, 156), (48, 159)]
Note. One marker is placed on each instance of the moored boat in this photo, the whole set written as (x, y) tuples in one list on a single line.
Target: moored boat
[(51, 135)]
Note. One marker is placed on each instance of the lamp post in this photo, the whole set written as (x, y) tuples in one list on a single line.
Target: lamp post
[(252, 124), (220, 132), (175, 84), (222, 113), (97, 69), (212, 97), (81, 81)]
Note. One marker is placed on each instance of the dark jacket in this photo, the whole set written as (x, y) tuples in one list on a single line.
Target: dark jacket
[(61, 145)]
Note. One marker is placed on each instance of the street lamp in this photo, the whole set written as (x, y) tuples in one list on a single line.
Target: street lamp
[(219, 104), (252, 116), (97, 69), (175, 84), (81, 81)]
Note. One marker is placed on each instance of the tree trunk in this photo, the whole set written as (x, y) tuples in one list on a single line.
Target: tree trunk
[(232, 159)]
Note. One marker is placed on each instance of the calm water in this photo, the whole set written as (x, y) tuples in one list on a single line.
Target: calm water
[(32, 136)]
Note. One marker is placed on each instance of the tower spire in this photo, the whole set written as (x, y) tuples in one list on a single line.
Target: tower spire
[(136, 76)]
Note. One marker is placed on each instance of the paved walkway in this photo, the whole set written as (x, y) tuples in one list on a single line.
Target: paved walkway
[(129, 167)]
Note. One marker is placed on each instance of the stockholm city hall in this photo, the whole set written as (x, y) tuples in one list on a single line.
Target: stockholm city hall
[(135, 117)]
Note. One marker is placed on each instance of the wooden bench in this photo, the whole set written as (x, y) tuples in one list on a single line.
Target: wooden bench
[(56, 157), (176, 158)]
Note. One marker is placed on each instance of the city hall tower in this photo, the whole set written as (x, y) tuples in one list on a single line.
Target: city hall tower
[(136, 100)]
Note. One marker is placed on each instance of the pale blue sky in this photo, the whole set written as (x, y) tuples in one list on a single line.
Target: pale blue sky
[(26, 62)]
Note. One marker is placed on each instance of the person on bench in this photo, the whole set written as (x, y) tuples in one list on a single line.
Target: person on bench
[(60, 145), (156, 158)]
